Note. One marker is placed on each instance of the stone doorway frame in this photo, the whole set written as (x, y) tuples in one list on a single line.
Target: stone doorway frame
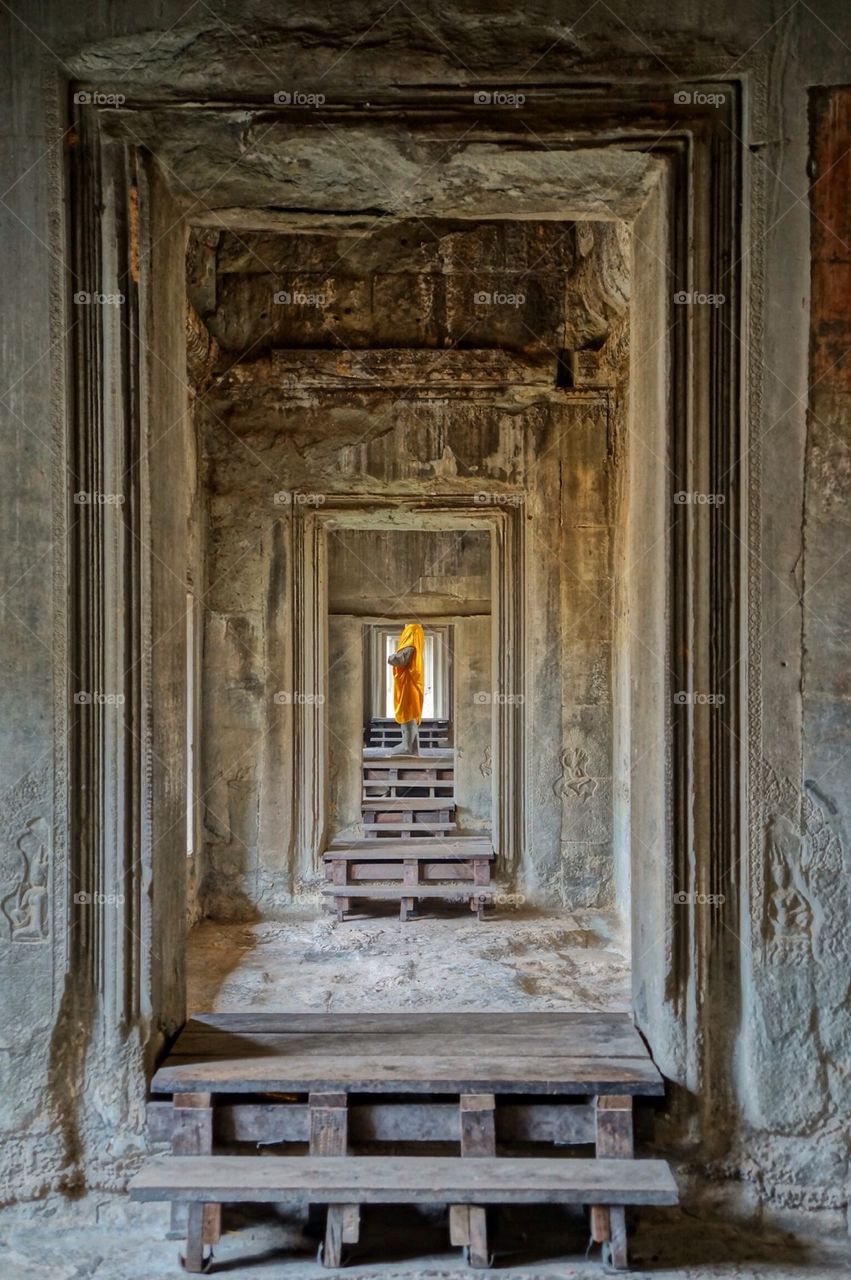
[(408, 511), (113, 807)]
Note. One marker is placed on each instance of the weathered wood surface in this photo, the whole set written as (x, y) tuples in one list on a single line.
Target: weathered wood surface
[(406, 804), (459, 847), (412, 829), (441, 756), (560, 1123), (566, 1033), (392, 893), (405, 1179), (266, 1071)]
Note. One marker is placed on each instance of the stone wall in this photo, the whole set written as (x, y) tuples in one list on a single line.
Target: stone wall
[(548, 449), (794, 475), (378, 575)]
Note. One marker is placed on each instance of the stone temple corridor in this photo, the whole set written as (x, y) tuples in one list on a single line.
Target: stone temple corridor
[(425, 815)]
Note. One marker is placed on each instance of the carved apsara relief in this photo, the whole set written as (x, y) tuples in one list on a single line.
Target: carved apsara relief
[(799, 868), (574, 779), (25, 862)]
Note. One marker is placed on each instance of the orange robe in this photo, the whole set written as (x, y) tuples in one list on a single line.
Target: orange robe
[(409, 681)]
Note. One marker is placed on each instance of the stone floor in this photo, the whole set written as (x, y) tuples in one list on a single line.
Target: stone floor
[(519, 959), (446, 959)]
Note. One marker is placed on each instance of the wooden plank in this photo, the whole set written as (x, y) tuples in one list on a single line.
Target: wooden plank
[(397, 1046), (417, 829), (479, 850), (613, 1140), (449, 1073), (431, 871), (408, 1179), (565, 1034), (329, 1136), (392, 893), (478, 1140), (566, 1124), (407, 804)]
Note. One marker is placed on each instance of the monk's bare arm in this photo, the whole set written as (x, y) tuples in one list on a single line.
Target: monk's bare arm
[(403, 657)]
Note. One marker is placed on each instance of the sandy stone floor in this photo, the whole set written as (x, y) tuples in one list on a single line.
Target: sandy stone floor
[(446, 960)]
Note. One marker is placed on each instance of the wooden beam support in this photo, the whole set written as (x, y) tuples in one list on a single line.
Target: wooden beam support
[(613, 1114), (478, 1138), (329, 1136)]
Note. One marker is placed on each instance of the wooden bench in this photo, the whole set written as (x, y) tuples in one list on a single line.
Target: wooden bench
[(471, 1078), (421, 869), (344, 1184), (410, 790)]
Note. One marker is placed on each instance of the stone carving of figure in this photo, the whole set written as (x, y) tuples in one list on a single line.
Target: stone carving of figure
[(26, 907), (789, 915), (408, 686)]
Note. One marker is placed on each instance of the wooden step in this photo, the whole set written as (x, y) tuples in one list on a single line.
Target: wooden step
[(404, 1180), (461, 848), (434, 1052), (401, 804), (427, 755), (399, 830), (392, 893)]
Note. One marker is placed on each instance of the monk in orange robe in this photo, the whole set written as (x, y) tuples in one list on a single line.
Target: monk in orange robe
[(408, 663)]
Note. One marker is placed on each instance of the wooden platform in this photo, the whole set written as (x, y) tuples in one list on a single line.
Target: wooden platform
[(465, 1078), (417, 869), (408, 790), (502, 1053), (405, 1179)]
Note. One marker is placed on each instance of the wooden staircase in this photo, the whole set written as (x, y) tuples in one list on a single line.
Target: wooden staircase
[(411, 796), (385, 734), (455, 869), (470, 1080)]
